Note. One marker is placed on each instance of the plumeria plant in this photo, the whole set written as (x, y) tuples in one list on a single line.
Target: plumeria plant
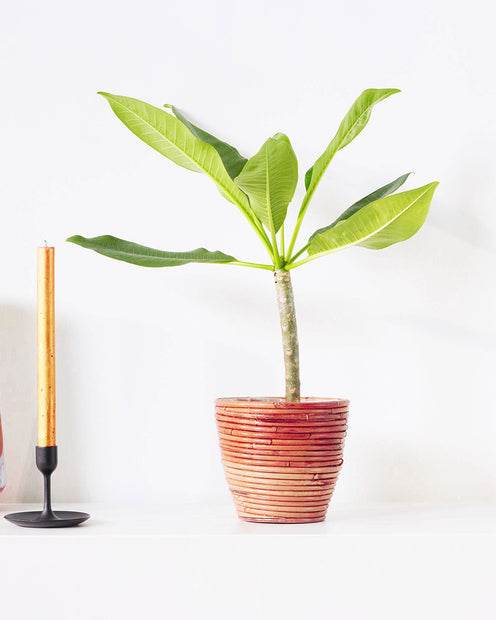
[(262, 188)]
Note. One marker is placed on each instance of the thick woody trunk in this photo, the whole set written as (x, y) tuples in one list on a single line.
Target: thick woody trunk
[(287, 314)]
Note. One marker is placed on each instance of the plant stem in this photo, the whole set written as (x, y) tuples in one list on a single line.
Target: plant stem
[(299, 220), (303, 261), (241, 263), (303, 209), (258, 228), (299, 253), (307, 259), (275, 250), (287, 314), (283, 251)]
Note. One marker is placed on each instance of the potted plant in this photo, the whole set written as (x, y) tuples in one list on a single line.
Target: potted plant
[(281, 455)]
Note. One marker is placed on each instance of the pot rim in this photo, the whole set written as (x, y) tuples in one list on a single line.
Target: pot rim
[(280, 402)]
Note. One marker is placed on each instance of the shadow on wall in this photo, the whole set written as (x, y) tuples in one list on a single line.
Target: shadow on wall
[(18, 400), (18, 405)]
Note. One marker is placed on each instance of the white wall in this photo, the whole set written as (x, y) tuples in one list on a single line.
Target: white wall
[(408, 334)]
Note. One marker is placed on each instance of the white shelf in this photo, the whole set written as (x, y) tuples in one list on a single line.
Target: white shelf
[(193, 561), (219, 519)]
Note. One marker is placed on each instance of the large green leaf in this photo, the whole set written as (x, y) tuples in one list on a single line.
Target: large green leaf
[(129, 252), (269, 179), (171, 138), (231, 158), (352, 124), (377, 225), (385, 190)]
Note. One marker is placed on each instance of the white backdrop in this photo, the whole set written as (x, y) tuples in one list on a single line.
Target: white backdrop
[(408, 334)]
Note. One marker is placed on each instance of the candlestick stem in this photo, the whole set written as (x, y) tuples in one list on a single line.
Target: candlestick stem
[(46, 462), (47, 497)]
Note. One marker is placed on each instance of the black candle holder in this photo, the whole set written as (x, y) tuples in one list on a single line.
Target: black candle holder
[(46, 461)]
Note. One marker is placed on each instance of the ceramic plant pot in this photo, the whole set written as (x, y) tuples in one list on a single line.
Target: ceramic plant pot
[(281, 459)]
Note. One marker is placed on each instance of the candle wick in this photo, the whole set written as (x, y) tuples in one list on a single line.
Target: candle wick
[(46, 244)]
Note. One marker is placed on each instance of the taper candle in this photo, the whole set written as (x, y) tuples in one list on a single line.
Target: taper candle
[(46, 348), (46, 449)]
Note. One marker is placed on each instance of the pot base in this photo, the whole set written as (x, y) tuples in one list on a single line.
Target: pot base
[(278, 520)]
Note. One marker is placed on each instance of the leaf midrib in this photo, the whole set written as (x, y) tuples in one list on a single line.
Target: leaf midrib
[(160, 258), (267, 192)]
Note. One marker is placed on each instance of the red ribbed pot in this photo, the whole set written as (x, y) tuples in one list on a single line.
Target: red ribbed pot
[(281, 459)]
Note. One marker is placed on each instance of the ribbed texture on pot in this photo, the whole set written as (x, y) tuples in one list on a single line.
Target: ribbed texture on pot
[(281, 459)]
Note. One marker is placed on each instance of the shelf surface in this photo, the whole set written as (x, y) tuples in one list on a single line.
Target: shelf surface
[(196, 560), (218, 519)]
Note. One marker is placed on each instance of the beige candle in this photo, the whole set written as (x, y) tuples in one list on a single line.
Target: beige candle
[(46, 348)]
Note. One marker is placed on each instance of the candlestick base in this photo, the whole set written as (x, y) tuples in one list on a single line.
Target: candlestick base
[(57, 518), (46, 461)]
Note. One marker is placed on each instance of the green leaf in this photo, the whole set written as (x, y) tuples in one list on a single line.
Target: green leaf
[(269, 179), (351, 125), (129, 252), (171, 138), (385, 190), (377, 225), (231, 158)]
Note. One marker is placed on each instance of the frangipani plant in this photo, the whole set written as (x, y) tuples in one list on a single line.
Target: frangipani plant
[(262, 188)]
